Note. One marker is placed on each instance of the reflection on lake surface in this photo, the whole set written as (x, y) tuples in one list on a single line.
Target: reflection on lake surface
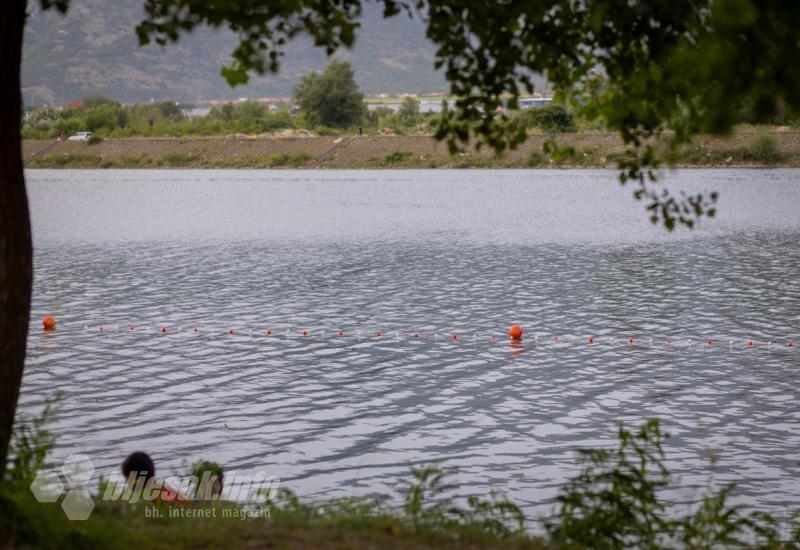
[(565, 253)]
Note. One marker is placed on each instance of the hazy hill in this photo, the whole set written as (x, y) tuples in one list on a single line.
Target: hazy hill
[(93, 50)]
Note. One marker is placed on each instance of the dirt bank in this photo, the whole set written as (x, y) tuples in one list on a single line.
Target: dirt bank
[(743, 149)]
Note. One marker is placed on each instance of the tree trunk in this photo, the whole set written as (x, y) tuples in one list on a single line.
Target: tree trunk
[(16, 251)]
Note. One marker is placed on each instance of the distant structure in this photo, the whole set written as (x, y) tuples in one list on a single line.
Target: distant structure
[(528, 102), (425, 106), (196, 112), (434, 105)]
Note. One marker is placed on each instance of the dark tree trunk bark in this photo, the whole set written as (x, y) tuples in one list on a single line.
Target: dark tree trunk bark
[(16, 251)]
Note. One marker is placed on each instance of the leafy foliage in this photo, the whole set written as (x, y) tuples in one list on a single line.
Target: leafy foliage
[(429, 502), (31, 443), (615, 503), (716, 524), (330, 98)]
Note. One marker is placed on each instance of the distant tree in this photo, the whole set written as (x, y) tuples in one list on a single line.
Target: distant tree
[(278, 120), (226, 111), (106, 116), (409, 108), (92, 101), (373, 117), (170, 110), (249, 110), (331, 98)]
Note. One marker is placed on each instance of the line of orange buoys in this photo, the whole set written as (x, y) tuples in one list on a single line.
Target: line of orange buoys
[(515, 334)]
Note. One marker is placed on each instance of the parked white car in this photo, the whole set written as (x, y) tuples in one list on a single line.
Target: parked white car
[(81, 136)]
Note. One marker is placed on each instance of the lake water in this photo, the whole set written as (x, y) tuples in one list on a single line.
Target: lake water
[(563, 253)]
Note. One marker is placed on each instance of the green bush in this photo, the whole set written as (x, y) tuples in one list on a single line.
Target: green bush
[(537, 159), (175, 159), (31, 443), (551, 118), (397, 156), (764, 150), (294, 159), (326, 131), (615, 502)]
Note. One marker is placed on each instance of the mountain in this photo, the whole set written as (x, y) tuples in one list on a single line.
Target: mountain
[(94, 51)]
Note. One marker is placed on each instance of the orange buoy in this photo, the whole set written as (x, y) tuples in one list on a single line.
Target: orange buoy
[(455, 337), (631, 340), (416, 335), (515, 332), (196, 330), (305, 333), (750, 344), (378, 333), (591, 339), (341, 333), (48, 323), (230, 331), (710, 342), (269, 332), (163, 330), (131, 328), (790, 344)]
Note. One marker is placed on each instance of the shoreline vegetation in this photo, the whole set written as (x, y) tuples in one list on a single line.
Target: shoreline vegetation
[(742, 149), (615, 501)]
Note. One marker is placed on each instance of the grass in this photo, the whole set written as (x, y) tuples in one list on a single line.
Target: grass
[(172, 159), (762, 151), (295, 159), (69, 160), (341, 525)]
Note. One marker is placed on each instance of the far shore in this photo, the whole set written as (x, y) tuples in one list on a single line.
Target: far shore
[(772, 149)]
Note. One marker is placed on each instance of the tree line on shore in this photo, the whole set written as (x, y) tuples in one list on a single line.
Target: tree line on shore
[(324, 103)]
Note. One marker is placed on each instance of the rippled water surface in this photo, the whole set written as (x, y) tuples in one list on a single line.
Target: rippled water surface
[(564, 253)]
